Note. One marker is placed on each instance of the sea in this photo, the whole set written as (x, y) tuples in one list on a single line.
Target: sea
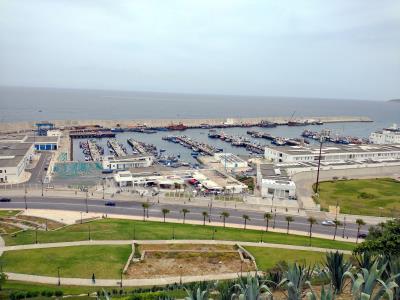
[(37, 104)]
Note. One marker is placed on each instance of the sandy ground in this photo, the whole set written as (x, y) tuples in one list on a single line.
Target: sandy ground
[(186, 260)]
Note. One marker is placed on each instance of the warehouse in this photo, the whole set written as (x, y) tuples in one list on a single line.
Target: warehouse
[(332, 153), (275, 183), (44, 143), (14, 158), (127, 162), (230, 161)]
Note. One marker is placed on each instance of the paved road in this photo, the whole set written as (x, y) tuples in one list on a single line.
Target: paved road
[(134, 208)]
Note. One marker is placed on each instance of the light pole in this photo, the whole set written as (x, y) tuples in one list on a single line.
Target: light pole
[(344, 226), (41, 181), (104, 179), (273, 225), (89, 233), (86, 200), (120, 283), (180, 273), (58, 274), (321, 140), (26, 205), (81, 218), (36, 239)]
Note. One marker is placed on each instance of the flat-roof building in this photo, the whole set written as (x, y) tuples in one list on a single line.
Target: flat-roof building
[(231, 161), (332, 153), (275, 183), (44, 143), (14, 157), (127, 162), (389, 135)]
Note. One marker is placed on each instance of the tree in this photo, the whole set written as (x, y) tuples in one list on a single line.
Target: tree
[(360, 222), (382, 239), (311, 221), (205, 215), (224, 215), (165, 211), (267, 217), (288, 220), (3, 279), (245, 219), (145, 206), (184, 211), (337, 223)]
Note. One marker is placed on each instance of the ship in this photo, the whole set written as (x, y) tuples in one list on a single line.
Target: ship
[(179, 126)]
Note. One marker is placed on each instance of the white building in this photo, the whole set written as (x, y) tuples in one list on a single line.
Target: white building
[(389, 135), (14, 157), (54, 132), (274, 183), (332, 153), (231, 161), (127, 162)]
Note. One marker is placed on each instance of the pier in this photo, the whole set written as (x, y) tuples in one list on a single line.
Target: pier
[(118, 151), (194, 145), (82, 134), (142, 148), (94, 151)]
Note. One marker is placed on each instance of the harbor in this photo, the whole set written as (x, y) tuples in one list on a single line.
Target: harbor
[(116, 148)]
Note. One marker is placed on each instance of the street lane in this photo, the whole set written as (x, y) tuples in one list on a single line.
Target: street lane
[(134, 208)]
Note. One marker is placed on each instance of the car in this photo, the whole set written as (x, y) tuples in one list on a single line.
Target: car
[(362, 235), (328, 223), (109, 203), (3, 199)]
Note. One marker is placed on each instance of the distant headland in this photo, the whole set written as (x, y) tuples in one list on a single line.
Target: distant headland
[(394, 100)]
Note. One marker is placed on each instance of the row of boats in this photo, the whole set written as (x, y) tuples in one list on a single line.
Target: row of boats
[(91, 150), (237, 141), (198, 148), (277, 140), (328, 136)]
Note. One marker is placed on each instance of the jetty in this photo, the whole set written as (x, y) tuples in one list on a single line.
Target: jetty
[(116, 147), (193, 144), (94, 151)]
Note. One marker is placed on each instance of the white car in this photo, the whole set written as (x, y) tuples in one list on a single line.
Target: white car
[(328, 223)]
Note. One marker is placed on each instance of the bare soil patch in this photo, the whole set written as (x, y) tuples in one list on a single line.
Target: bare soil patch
[(186, 260)]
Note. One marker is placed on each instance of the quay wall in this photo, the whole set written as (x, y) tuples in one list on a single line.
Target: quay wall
[(22, 126)]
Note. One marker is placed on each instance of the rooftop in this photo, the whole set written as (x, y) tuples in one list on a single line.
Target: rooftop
[(274, 172), (12, 153), (335, 149), (42, 139)]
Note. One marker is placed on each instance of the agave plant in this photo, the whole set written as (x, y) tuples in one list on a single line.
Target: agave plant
[(252, 289), (336, 267), (325, 294), (368, 284), (196, 294), (366, 260), (393, 270), (296, 278)]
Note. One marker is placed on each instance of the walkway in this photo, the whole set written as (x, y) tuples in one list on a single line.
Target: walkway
[(139, 282)]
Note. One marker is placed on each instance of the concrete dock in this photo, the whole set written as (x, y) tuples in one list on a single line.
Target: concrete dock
[(119, 152), (94, 151)]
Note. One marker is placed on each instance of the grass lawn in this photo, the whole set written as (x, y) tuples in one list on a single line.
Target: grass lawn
[(267, 258), (79, 261), (8, 213), (116, 229), (374, 197)]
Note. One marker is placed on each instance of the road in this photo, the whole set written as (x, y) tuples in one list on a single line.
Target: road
[(134, 208)]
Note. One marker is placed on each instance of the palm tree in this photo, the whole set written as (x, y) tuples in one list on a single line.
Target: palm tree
[(267, 217), (245, 219), (184, 211), (205, 215), (337, 223), (224, 215), (145, 206), (165, 211), (288, 220), (312, 221), (360, 222)]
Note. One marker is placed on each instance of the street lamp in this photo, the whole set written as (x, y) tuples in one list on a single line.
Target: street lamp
[(321, 141), (344, 226), (26, 205), (89, 233), (58, 274), (180, 273), (36, 239), (120, 283), (41, 181), (104, 179), (86, 200), (273, 225)]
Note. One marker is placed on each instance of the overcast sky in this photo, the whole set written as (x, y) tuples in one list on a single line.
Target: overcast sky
[(330, 49)]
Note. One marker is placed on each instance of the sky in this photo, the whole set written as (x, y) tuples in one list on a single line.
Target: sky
[(304, 48)]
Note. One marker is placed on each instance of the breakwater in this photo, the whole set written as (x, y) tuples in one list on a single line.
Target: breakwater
[(25, 126)]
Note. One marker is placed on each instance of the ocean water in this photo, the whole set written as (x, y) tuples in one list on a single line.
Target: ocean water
[(33, 104)]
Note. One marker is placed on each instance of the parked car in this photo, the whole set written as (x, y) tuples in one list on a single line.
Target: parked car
[(110, 203), (328, 223), (3, 199), (362, 235)]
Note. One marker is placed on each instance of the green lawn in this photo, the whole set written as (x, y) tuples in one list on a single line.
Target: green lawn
[(79, 261), (267, 258), (374, 197), (116, 229), (8, 213)]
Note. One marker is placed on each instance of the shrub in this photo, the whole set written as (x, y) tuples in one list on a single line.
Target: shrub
[(59, 293)]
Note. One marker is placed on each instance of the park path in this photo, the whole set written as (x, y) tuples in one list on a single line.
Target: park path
[(140, 282), (128, 242)]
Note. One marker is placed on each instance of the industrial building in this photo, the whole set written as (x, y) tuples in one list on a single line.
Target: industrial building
[(389, 135), (44, 143), (230, 161), (275, 183), (14, 158), (127, 162), (332, 153)]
